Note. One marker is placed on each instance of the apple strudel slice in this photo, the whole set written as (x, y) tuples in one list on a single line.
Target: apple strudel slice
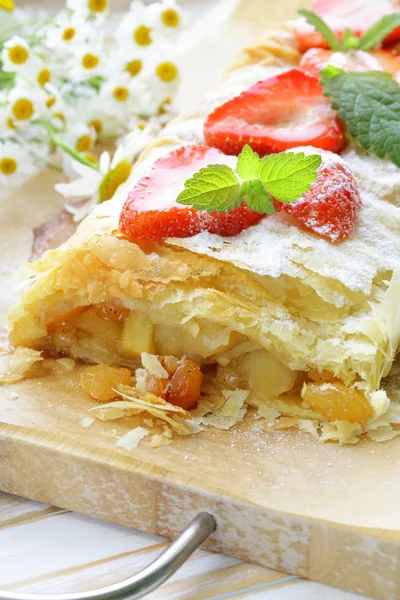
[(279, 316)]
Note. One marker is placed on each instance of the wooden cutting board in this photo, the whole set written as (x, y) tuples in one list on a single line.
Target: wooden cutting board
[(281, 499)]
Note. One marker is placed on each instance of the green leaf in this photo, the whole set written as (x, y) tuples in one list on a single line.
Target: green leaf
[(257, 197), (215, 187), (370, 105), (377, 33), (288, 175), (248, 164), (330, 71), (322, 28), (350, 41)]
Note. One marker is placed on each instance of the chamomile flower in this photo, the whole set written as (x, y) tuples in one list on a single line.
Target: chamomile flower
[(16, 164), (160, 82), (87, 61), (137, 34), (25, 104), (102, 184), (169, 17), (16, 55), (97, 9), (68, 31), (119, 95), (80, 137)]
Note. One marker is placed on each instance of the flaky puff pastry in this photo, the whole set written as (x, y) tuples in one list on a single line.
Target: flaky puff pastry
[(312, 304)]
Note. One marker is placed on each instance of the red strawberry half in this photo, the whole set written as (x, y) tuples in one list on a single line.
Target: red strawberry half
[(152, 213), (274, 115), (316, 59), (330, 208), (357, 15)]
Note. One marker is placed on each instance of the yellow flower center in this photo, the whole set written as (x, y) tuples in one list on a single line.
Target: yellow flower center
[(134, 67), (141, 35), (167, 71), (113, 179), (23, 109), (18, 55), (84, 143), (121, 93), (10, 123), (90, 61), (141, 126), (97, 5), (60, 115), (91, 158), (7, 5), (50, 101), (97, 125), (170, 17), (162, 109), (44, 77), (8, 166), (68, 34)]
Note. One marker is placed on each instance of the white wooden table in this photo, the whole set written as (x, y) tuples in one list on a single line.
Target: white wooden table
[(50, 550)]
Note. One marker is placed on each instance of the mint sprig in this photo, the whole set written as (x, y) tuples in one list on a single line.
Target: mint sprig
[(369, 103), (372, 38), (285, 176)]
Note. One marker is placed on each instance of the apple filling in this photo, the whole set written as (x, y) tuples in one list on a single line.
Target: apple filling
[(116, 338)]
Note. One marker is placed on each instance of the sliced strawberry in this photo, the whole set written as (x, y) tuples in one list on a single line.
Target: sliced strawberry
[(152, 213), (233, 222), (307, 37), (330, 208), (316, 59), (341, 14), (274, 115)]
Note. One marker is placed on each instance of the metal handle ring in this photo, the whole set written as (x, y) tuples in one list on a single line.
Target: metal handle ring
[(148, 579)]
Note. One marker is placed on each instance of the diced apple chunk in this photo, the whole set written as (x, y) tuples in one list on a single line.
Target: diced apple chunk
[(137, 334), (267, 376), (90, 322)]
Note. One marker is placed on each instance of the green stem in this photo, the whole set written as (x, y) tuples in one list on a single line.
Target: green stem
[(59, 142)]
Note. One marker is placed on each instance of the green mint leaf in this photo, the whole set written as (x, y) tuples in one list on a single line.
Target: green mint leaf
[(370, 105), (377, 33), (215, 187), (248, 165), (257, 197), (350, 41), (322, 28), (288, 175), (330, 71)]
